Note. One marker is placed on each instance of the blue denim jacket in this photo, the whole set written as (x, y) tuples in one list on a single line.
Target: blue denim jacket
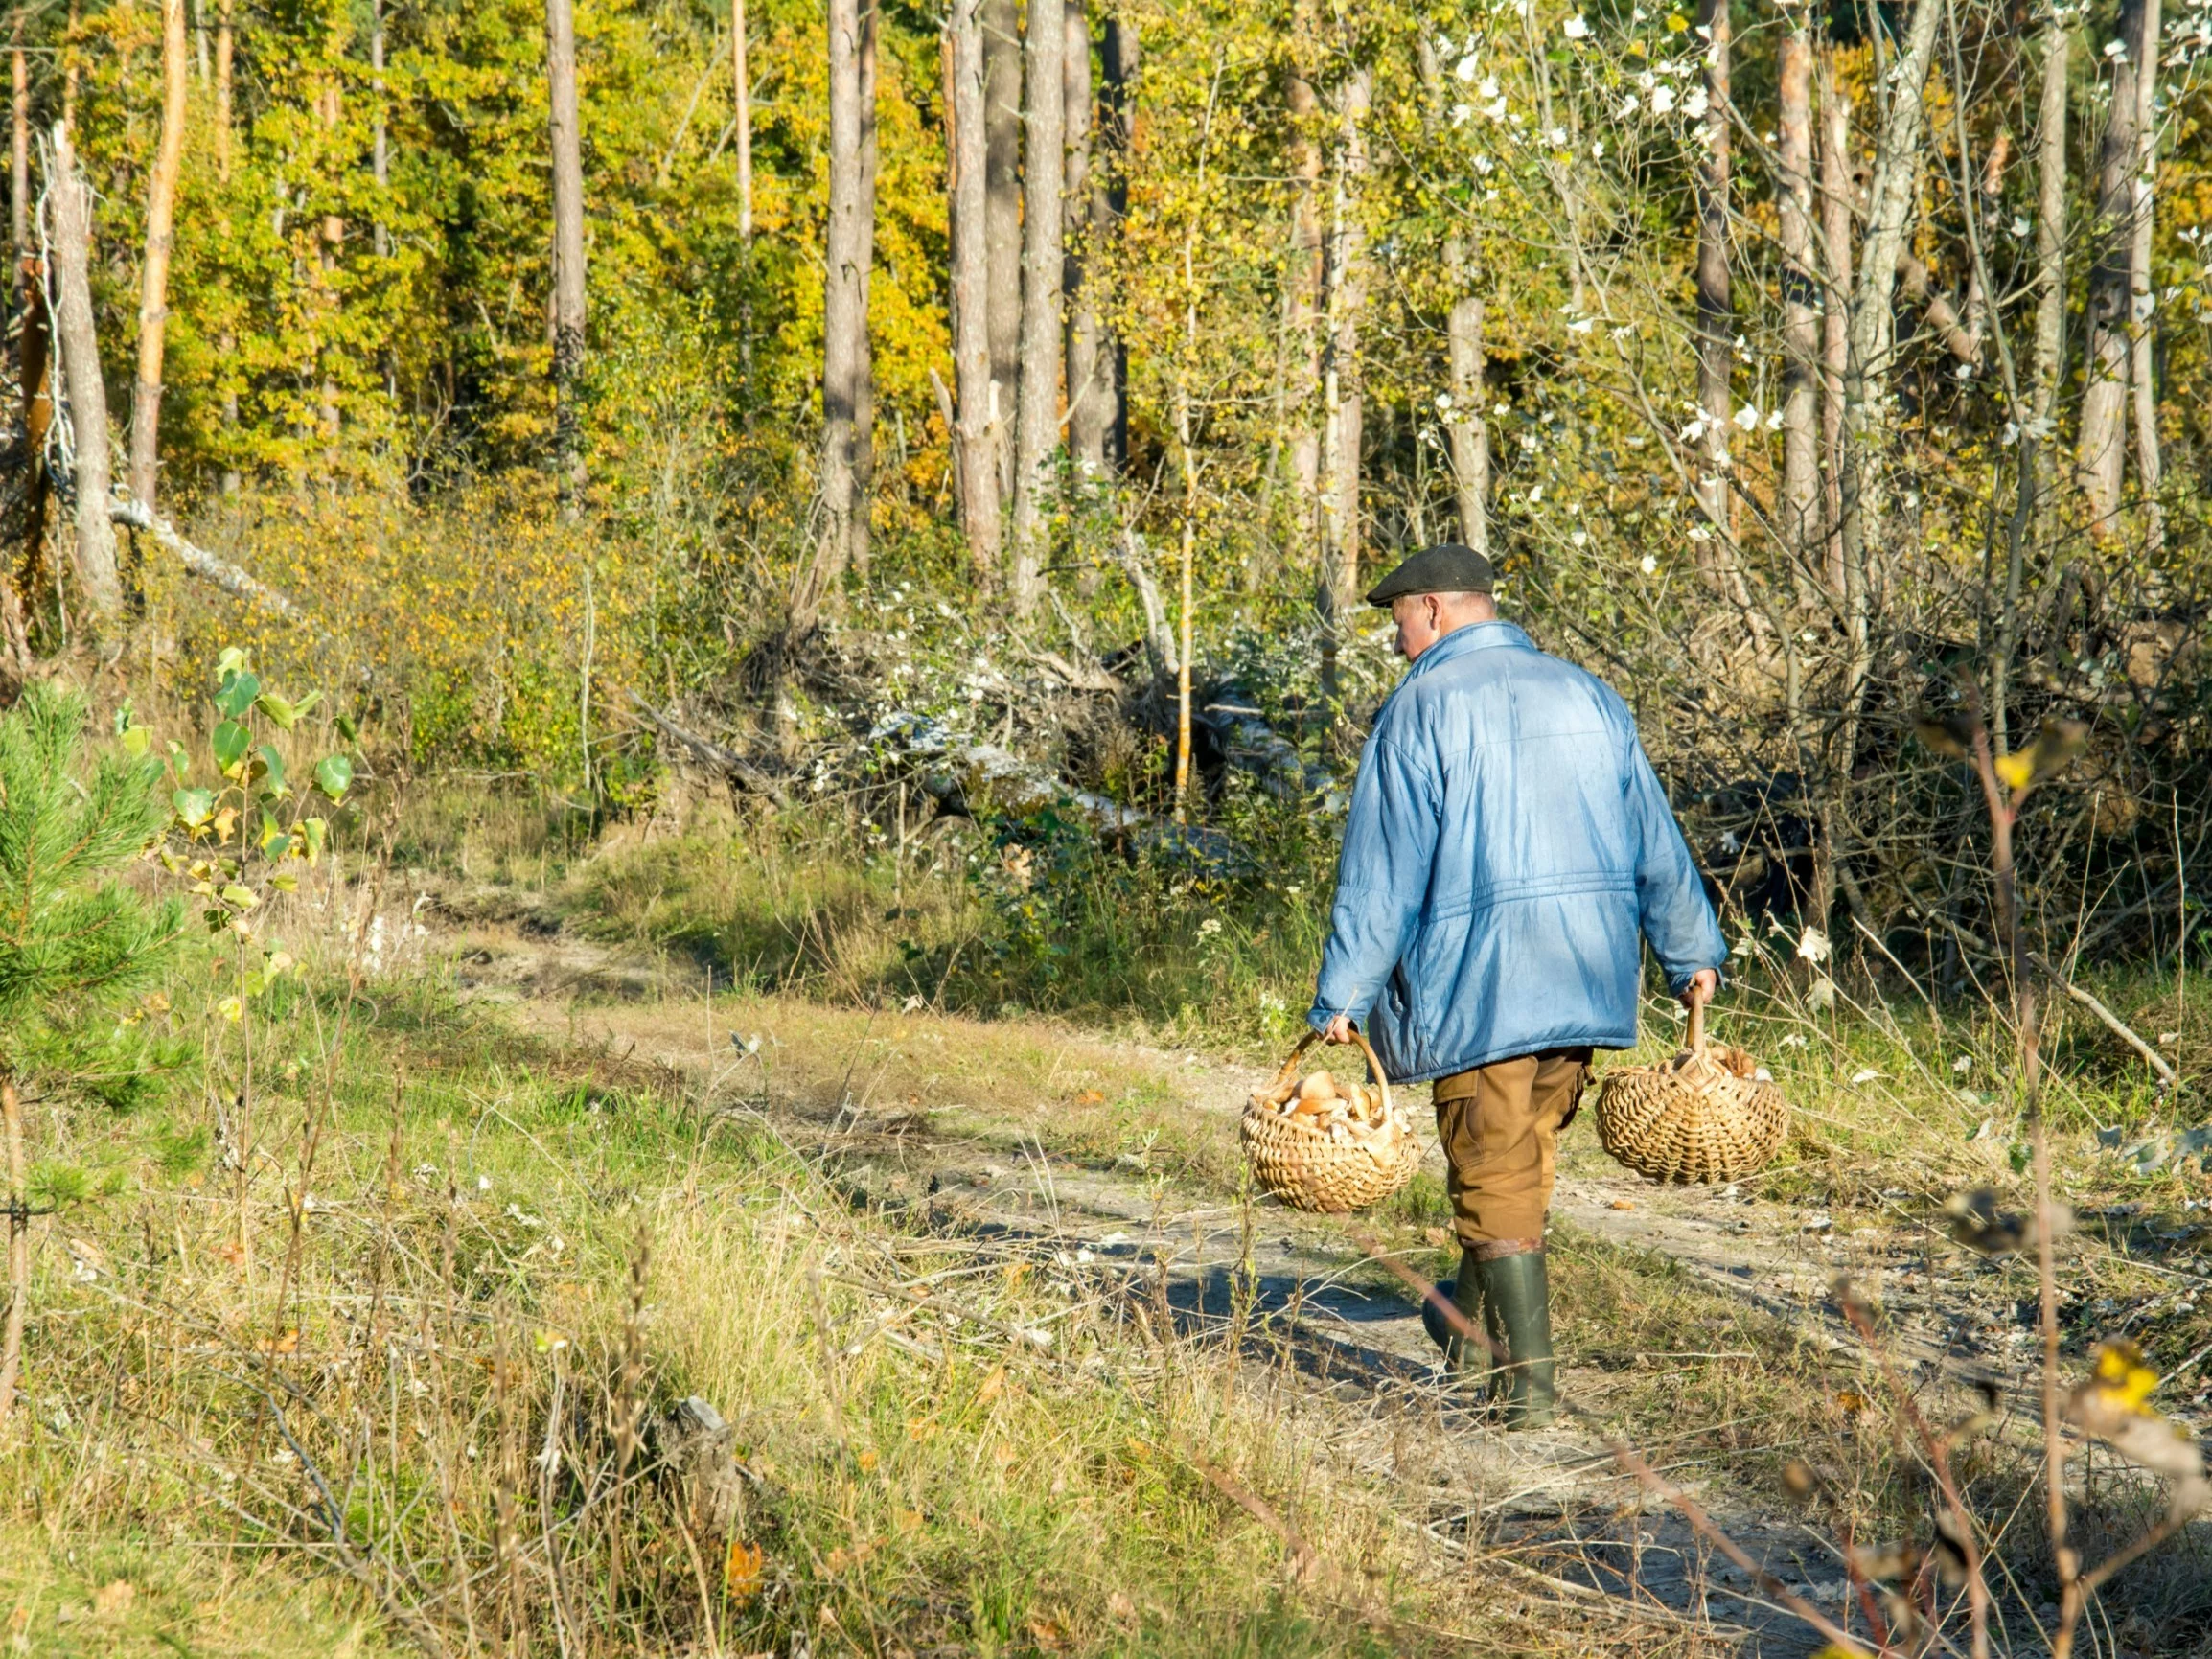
[(1507, 840)]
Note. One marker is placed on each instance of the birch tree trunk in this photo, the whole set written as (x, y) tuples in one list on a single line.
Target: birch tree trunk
[(1309, 256), (2050, 248), (844, 318), (1002, 220), (741, 104), (1716, 312), (858, 531), (1340, 394), (380, 135), (70, 202), (568, 146), (2142, 294), (972, 440), (1466, 433), (1086, 394), (1872, 339), (160, 238), (333, 241), (1801, 298), (2100, 456), (1835, 213), (1037, 420)]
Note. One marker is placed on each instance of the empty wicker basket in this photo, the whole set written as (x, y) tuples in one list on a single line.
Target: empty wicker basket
[(1324, 1162), (1706, 1114)]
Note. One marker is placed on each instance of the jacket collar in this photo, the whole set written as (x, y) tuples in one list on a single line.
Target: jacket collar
[(1459, 642)]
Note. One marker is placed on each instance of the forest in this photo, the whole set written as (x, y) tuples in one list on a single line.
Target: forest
[(679, 681)]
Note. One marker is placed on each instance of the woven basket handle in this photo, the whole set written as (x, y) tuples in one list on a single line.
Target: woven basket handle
[(1697, 1001), (1374, 1066)]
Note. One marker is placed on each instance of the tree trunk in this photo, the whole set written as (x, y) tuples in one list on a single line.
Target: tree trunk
[(1118, 61), (1801, 300), (741, 95), (974, 439), (2050, 232), (1038, 424), (1307, 282), (859, 548), (160, 238), (1341, 377), (334, 238), (565, 131), (1837, 191), (1002, 220), (844, 315), (225, 56), (2142, 294), (1468, 430), (379, 137), (1716, 312), (2100, 458), (70, 202), (1088, 399), (19, 152), (1873, 324)]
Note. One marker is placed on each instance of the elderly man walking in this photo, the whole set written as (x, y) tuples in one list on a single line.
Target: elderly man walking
[(1507, 843)]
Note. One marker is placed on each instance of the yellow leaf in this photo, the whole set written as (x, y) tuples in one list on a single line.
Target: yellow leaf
[(992, 1386), (866, 1459), (2018, 768), (2122, 1379), (741, 1570), (231, 1009)]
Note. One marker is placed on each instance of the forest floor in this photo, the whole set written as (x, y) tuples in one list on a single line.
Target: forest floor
[(1120, 1160)]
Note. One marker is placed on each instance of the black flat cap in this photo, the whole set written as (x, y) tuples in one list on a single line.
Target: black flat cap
[(1446, 568)]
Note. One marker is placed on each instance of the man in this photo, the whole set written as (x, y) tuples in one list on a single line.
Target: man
[(1506, 842)]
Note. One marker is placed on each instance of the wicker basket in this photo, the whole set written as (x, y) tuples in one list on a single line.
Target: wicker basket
[(1298, 1160), (1706, 1114)]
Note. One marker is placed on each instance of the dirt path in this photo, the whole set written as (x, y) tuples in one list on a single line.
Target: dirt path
[(940, 1119)]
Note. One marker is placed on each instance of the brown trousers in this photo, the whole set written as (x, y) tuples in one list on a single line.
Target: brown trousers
[(1500, 1126)]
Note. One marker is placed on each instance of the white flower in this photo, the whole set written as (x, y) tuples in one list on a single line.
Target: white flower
[(1866, 1074), (1466, 68), (1209, 927), (1444, 403), (1460, 112), (2020, 226), (1813, 946), (1579, 326), (1774, 421), (1488, 87), (1577, 28), (1495, 111), (1580, 538), (1747, 417), (1662, 100), (1647, 564), (1795, 1040), (1482, 166), (1627, 106), (1964, 1064), (2116, 49), (1696, 103), (1556, 137)]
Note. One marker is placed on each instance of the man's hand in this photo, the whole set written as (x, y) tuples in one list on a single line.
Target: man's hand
[(1704, 985), (1339, 1029)]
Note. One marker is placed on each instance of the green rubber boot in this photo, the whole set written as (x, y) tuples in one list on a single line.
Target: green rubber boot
[(1516, 1300), (1465, 1357)]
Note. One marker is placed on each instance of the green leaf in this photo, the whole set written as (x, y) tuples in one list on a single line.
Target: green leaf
[(311, 831), (238, 897), (333, 775), (285, 713), (274, 843), (286, 883), (274, 769), (230, 743), (236, 695), (347, 729), (194, 806)]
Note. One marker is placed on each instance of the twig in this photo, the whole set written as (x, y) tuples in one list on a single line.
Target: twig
[(2168, 1077), (727, 761)]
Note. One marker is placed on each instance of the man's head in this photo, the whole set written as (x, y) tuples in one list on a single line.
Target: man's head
[(1437, 592)]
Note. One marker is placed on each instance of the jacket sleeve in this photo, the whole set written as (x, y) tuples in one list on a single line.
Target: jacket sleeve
[(1382, 879), (1671, 902)]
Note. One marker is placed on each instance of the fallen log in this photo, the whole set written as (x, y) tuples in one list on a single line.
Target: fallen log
[(733, 765), (124, 508)]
